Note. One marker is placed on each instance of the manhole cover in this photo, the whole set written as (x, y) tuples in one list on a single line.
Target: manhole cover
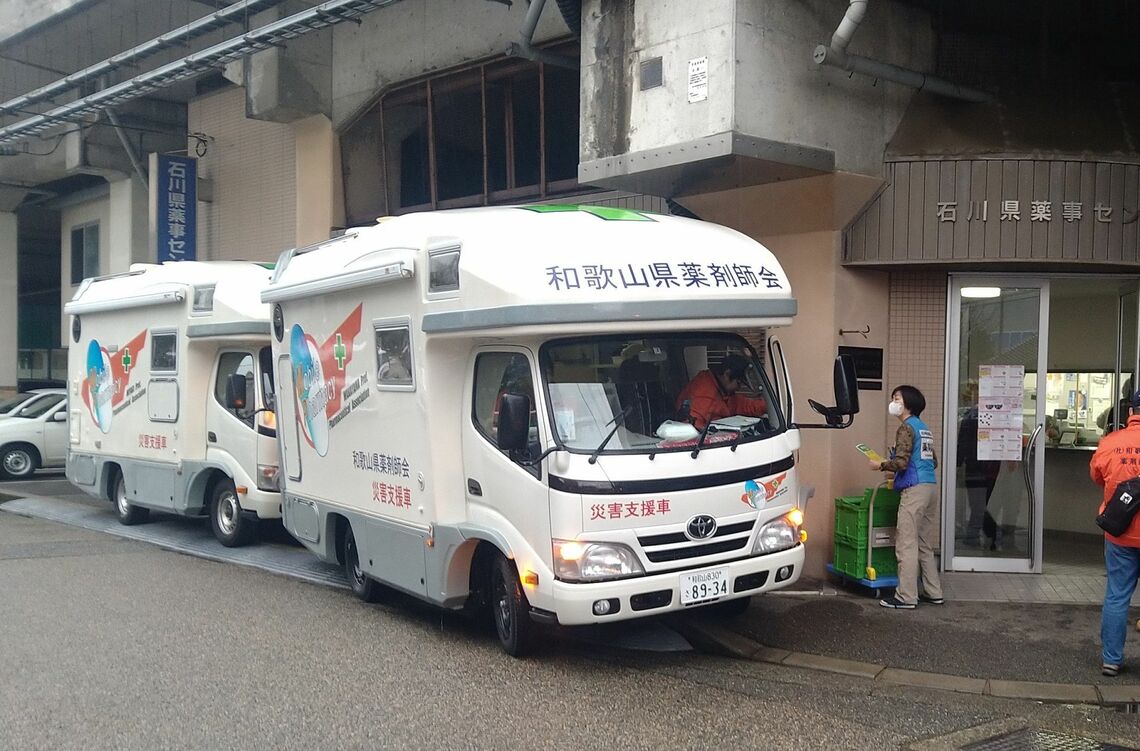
[(1040, 740)]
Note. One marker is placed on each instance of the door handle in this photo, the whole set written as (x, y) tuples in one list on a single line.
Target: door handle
[(1027, 473), (212, 437), (473, 487)]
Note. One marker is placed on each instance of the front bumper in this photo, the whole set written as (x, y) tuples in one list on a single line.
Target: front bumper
[(572, 604)]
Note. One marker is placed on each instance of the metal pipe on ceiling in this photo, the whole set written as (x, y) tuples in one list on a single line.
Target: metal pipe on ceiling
[(195, 64), (836, 56), (525, 47), (204, 25)]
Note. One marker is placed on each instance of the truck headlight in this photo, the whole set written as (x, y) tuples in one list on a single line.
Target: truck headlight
[(776, 535), (576, 561), (268, 477)]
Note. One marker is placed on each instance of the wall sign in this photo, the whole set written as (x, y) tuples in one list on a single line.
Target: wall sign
[(176, 208), (868, 366)]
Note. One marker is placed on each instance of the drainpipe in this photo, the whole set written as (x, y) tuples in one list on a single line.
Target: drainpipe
[(524, 48), (836, 56)]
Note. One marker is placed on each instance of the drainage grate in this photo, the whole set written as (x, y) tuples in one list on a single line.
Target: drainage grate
[(1039, 740)]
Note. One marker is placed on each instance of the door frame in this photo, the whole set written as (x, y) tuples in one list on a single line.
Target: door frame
[(950, 562)]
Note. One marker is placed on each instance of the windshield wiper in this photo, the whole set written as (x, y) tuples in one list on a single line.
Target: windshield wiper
[(619, 418), (709, 429)]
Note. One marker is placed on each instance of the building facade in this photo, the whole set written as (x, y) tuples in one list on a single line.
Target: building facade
[(901, 158)]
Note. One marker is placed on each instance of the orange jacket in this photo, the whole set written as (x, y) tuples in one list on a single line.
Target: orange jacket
[(707, 402), (1117, 459)]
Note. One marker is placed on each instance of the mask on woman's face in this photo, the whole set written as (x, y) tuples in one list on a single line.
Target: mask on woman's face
[(895, 409)]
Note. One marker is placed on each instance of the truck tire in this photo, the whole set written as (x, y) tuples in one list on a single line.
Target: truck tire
[(363, 586), (129, 514), (510, 609), (230, 525), (18, 461)]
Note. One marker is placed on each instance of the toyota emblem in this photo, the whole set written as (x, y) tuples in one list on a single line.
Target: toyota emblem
[(700, 527)]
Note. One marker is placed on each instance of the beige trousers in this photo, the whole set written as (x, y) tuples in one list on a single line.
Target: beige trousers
[(915, 535)]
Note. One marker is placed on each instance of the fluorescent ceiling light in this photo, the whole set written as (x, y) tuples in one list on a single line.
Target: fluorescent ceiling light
[(981, 292)]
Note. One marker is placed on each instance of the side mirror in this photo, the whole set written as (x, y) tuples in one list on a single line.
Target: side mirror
[(59, 417), (514, 422), (235, 391), (846, 386)]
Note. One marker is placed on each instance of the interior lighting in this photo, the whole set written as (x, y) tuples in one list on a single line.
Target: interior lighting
[(981, 292)]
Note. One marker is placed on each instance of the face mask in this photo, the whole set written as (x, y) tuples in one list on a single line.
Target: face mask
[(895, 409)]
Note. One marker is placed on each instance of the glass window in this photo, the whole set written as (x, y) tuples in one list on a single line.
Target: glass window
[(11, 403), (405, 123), (237, 363), (394, 357), (164, 353), (84, 252), (496, 374), (203, 299), (41, 406), (657, 391), (443, 270)]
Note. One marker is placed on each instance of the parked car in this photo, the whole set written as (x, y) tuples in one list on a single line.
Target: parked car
[(34, 437), (11, 406)]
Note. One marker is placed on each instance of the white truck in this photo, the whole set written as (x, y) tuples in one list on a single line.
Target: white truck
[(171, 380), (479, 407)]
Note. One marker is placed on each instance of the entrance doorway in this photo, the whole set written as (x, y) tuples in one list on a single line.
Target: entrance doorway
[(1037, 367)]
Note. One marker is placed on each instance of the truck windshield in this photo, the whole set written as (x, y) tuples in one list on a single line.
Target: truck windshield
[(660, 391)]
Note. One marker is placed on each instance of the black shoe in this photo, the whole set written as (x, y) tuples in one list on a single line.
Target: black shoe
[(930, 600), (895, 603)]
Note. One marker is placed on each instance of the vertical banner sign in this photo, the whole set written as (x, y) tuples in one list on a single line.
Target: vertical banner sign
[(176, 208)]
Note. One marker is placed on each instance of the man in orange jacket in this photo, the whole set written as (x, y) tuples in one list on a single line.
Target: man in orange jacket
[(1117, 459), (712, 393)]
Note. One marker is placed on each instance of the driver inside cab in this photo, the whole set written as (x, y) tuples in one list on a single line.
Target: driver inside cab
[(712, 393)]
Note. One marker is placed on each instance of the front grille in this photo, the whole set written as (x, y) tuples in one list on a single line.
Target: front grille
[(672, 538), (650, 600), (695, 551)]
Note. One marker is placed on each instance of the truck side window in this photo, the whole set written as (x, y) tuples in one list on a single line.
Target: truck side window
[(498, 373), (164, 353), (394, 357), (240, 363)]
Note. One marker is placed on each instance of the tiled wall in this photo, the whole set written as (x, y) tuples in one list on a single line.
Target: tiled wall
[(253, 168), (916, 352)]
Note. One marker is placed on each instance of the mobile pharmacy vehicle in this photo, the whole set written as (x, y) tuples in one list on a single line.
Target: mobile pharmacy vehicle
[(478, 407), (170, 378)]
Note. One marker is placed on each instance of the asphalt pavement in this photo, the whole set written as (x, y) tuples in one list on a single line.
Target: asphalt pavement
[(1037, 651)]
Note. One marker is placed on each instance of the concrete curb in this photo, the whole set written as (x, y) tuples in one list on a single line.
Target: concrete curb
[(717, 639)]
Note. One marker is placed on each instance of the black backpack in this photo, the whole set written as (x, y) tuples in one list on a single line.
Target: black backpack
[(1121, 508)]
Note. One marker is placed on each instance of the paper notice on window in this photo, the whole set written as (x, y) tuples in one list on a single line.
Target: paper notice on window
[(1001, 396), (698, 80)]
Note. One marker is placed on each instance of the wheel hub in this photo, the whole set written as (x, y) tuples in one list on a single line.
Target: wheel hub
[(227, 513), (16, 462)]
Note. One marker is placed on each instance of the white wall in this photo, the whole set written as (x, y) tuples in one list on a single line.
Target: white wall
[(252, 165), (9, 339)]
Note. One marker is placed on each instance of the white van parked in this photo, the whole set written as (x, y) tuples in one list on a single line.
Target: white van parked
[(481, 407), (170, 379)]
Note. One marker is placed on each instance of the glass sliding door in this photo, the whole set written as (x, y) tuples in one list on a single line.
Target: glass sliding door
[(993, 474)]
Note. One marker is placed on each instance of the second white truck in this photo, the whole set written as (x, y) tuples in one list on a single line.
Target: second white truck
[(170, 381)]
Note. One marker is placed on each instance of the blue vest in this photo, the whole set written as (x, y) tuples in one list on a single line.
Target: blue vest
[(920, 471)]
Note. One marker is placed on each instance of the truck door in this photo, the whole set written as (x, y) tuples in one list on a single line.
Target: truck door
[(499, 488), (232, 431), (55, 437)]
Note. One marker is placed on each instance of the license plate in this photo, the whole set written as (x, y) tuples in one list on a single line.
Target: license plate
[(700, 586)]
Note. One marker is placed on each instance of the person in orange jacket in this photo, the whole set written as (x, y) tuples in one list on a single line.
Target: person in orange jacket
[(1117, 459), (712, 393)]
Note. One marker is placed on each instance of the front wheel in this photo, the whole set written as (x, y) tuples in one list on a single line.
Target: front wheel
[(363, 586), (511, 610), (129, 514), (230, 525), (18, 462)]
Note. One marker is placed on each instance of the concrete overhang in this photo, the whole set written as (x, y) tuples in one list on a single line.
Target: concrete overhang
[(722, 161)]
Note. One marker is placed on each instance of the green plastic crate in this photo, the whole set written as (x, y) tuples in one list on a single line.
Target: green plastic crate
[(851, 513), (851, 559)]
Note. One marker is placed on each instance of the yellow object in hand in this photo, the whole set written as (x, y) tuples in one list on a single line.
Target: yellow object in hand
[(869, 452)]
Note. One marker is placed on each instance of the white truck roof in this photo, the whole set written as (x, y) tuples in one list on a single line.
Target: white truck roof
[(534, 265), (234, 298)]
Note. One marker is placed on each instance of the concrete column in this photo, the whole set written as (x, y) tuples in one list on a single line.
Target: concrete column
[(9, 276), (127, 226), (320, 204)]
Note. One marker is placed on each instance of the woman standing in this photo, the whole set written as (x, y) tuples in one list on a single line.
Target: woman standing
[(914, 464)]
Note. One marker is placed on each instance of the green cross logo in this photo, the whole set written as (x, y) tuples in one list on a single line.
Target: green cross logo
[(340, 353), (608, 213), (127, 361)]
